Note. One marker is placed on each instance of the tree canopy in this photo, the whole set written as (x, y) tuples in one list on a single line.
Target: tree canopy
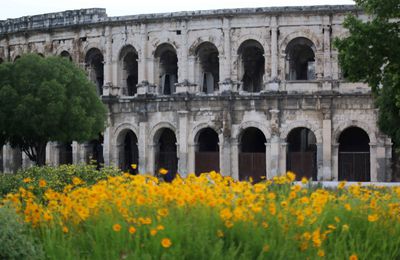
[(47, 99), (371, 54)]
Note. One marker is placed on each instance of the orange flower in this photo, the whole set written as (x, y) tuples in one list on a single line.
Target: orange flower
[(163, 171), (166, 242), (42, 183), (321, 253), (116, 227), (353, 257), (132, 230), (162, 212), (153, 232), (27, 180), (134, 166), (65, 229), (373, 218)]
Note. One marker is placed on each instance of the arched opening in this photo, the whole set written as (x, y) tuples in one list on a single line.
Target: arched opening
[(66, 54), (16, 58), (207, 57), (95, 66), (40, 54), (129, 73), (252, 155), (207, 151), (95, 152), (251, 62), (65, 153), (1, 60), (128, 152), (167, 68), (166, 153), (302, 153), (300, 59), (354, 155)]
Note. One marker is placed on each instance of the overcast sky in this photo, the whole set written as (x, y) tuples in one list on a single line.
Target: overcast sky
[(18, 8)]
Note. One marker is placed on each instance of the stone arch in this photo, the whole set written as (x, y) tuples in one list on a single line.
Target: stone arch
[(157, 42), (312, 125), (197, 129), (126, 147), (263, 128), (249, 36), (300, 34), (166, 69), (202, 39), (251, 65), (94, 62), (128, 69), (121, 128), (207, 150), (207, 67), (155, 131), (354, 123)]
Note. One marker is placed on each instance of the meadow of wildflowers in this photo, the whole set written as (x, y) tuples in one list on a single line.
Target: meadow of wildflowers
[(210, 217)]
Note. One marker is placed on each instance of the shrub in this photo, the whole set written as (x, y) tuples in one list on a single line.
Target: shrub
[(15, 240), (55, 178)]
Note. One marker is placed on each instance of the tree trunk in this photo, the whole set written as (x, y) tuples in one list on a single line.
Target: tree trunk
[(41, 154)]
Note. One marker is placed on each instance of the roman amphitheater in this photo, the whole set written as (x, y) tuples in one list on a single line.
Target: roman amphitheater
[(247, 92)]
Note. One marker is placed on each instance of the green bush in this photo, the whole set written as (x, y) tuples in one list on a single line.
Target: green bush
[(15, 240), (56, 178)]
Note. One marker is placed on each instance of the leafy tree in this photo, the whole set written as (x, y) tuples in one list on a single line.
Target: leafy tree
[(371, 54), (47, 99)]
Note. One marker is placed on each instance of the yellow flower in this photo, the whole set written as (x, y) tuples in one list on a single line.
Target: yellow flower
[(153, 232), (291, 176), (220, 233), (266, 248), (65, 229), (321, 253), (347, 206), (284, 203), (345, 228), (160, 227), (116, 227), (134, 166), (163, 171), (27, 180), (42, 183), (76, 181), (373, 217), (132, 230), (166, 242), (228, 224), (304, 180), (353, 257)]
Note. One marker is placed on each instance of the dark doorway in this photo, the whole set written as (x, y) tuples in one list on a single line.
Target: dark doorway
[(300, 59), (207, 153), (168, 68), (128, 58), (95, 66), (207, 55), (1, 61), (130, 153), (252, 155), (166, 154), (65, 153), (66, 55), (354, 155), (251, 55), (95, 155), (302, 153)]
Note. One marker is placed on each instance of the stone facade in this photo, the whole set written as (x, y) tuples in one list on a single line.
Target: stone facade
[(270, 70)]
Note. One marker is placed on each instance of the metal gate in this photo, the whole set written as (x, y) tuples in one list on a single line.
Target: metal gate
[(303, 164), (252, 165), (206, 162), (354, 166), (167, 160)]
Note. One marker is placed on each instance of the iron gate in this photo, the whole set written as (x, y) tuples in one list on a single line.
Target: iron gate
[(252, 165), (354, 166), (303, 164), (206, 162)]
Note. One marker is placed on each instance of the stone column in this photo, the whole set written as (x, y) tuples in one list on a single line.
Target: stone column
[(151, 158), (143, 152), (226, 72), (192, 147), (382, 174), (282, 157), (235, 159), (191, 69), (327, 52), (107, 147), (268, 159), (335, 161), (75, 153), (320, 161), (12, 159), (274, 156), (327, 148), (142, 62), (225, 156), (274, 49), (372, 153), (107, 88), (183, 57), (183, 143), (388, 159)]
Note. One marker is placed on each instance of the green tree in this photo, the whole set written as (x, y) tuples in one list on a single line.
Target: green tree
[(47, 99), (371, 54)]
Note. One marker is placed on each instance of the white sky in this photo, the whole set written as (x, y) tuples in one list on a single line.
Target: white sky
[(18, 8)]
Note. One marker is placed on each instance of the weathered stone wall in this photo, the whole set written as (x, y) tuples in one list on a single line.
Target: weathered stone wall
[(323, 103)]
